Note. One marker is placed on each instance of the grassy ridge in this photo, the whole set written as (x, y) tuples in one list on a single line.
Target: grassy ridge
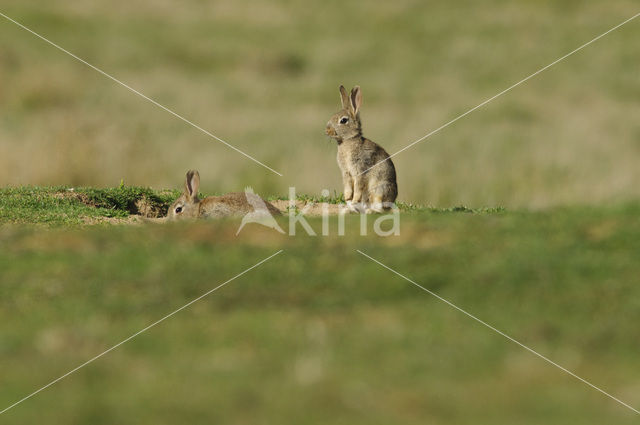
[(321, 334), (61, 205), (65, 206)]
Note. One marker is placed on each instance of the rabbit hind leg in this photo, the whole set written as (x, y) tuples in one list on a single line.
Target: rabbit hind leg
[(375, 200)]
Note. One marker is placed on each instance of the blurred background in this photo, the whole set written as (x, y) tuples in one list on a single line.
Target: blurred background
[(264, 75), (320, 334)]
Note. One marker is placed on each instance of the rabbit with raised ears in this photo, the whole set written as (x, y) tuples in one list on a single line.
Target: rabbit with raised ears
[(188, 205), (366, 189)]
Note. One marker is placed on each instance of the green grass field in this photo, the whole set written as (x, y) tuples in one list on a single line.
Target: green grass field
[(321, 334)]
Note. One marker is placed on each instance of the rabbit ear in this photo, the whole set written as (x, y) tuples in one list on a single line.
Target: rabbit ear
[(346, 103), (356, 99), (191, 184)]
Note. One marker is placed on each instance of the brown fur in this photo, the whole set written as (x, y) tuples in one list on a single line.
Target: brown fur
[(376, 189), (188, 205)]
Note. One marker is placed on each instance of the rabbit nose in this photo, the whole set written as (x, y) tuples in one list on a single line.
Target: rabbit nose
[(330, 131)]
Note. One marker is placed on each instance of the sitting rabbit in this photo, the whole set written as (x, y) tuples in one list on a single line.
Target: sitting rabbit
[(368, 174)]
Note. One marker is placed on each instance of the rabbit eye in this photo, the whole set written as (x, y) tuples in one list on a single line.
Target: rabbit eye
[(178, 210), (344, 120)]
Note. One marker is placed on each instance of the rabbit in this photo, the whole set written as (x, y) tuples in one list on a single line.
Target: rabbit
[(188, 205), (366, 189)]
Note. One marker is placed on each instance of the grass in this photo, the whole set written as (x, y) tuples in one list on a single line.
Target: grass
[(63, 206), (321, 334), (68, 206)]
